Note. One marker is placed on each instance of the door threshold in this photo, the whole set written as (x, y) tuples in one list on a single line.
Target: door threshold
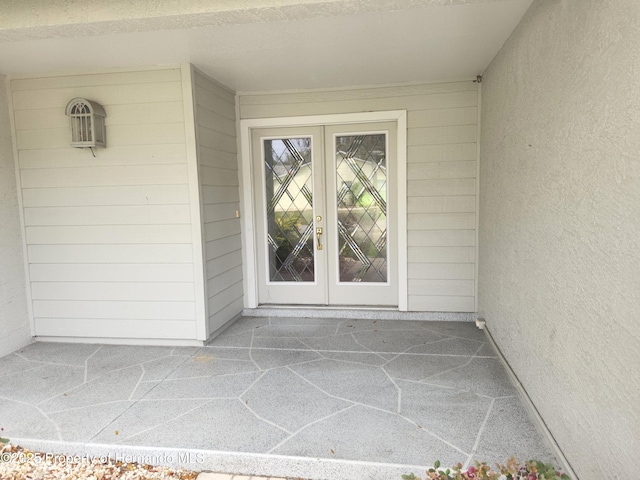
[(359, 312), (330, 307)]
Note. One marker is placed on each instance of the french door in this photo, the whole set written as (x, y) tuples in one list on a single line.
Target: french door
[(326, 214)]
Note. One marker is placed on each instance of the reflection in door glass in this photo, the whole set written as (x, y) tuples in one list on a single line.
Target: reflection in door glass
[(362, 207), (289, 200)]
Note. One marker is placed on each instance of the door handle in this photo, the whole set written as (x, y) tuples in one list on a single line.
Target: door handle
[(318, 234)]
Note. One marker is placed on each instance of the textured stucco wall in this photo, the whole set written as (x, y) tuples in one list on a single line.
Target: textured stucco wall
[(15, 331), (560, 223)]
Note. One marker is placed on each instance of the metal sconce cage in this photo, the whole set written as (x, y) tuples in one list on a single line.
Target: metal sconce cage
[(87, 123)]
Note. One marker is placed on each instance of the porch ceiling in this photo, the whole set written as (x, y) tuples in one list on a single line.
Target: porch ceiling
[(263, 45)]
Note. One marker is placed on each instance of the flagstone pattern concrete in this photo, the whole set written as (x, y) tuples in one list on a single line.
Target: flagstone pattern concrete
[(384, 392)]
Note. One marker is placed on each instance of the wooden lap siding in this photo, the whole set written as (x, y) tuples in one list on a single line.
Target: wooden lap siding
[(441, 172), (219, 189), (108, 238)]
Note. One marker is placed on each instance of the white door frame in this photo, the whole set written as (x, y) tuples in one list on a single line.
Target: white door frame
[(247, 203)]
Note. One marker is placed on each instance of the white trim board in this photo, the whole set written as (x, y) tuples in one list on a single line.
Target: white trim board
[(19, 193), (365, 86), (353, 312), (249, 264), (96, 71), (168, 342), (565, 466), (191, 145)]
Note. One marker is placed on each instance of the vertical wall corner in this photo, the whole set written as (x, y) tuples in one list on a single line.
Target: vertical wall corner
[(219, 195), (195, 199)]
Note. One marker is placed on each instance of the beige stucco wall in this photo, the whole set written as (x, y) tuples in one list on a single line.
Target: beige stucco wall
[(15, 331), (559, 271)]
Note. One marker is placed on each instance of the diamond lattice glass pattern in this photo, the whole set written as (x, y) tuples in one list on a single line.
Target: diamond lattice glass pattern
[(362, 207), (289, 200)]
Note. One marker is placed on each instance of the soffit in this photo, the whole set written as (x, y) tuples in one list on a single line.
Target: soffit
[(262, 45)]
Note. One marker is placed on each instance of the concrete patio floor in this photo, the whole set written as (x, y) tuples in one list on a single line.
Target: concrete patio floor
[(318, 398)]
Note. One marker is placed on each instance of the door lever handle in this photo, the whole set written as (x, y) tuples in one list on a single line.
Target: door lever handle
[(318, 234)]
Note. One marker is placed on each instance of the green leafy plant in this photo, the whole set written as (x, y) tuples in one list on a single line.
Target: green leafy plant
[(2, 439), (511, 470)]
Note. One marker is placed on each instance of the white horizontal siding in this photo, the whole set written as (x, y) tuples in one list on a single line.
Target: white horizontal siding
[(221, 229), (221, 282), (108, 234), (444, 204), (218, 176), (216, 159), (442, 221), (124, 273), (215, 140), (441, 271), (133, 114), (451, 152), (223, 263), (441, 254), (441, 135), (104, 176), (425, 287), (112, 215), (216, 100), (220, 194), (434, 303), (106, 196), (113, 156), (109, 239), (219, 185), (443, 117), (132, 291), (441, 187), (105, 95), (120, 328), (131, 254), (215, 121), (442, 165), (222, 246), (467, 98), (442, 238), (370, 93), (114, 309), (228, 312), (438, 170), (225, 297), (118, 135), (105, 79), (219, 212)]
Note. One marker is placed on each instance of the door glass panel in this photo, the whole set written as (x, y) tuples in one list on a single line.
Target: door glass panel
[(289, 201), (362, 207)]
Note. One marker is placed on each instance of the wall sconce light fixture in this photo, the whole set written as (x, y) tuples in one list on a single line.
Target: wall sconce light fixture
[(87, 123)]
